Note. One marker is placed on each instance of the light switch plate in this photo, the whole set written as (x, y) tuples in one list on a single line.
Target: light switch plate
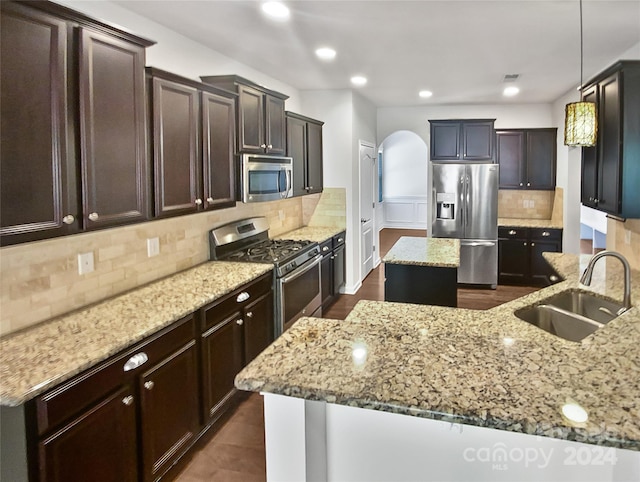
[(627, 236), (281, 215), (85, 263), (153, 247)]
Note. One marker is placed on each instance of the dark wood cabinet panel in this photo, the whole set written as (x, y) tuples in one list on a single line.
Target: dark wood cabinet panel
[(462, 140), (426, 285), (176, 159), (304, 145), (222, 354), (39, 197), (251, 120), (115, 168), (513, 261), (326, 273), (258, 326), (274, 125), (611, 169), (527, 158), (101, 443), (218, 159), (339, 267), (169, 417)]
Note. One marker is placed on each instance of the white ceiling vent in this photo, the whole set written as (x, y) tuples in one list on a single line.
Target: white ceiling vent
[(511, 77)]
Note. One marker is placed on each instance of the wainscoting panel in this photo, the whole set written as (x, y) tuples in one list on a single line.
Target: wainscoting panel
[(408, 212)]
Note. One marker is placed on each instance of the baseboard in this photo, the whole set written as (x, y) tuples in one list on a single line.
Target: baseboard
[(401, 225), (352, 290)]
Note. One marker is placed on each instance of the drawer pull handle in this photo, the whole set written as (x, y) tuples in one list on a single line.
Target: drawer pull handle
[(244, 296), (325, 248), (512, 232), (546, 233), (93, 217), (240, 321), (128, 400), (249, 314), (135, 361), (149, 385)]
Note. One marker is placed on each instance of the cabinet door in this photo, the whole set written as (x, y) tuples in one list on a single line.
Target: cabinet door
[(610, 145), (218, 151), (326, 279), (510, 156), (314, 157), (274, 125), (115, 168), (297, 149), (477, 141), (589, 184), (513, 261), (251, 120), (168, 410), (37, 172), (176, 157), (541, 159), (540, 269), (338, 270), (258, 326), (222, 355), (99, 445), (445, 141)]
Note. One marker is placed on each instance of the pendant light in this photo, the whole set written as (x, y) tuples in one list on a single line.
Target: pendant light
[(580, 118)]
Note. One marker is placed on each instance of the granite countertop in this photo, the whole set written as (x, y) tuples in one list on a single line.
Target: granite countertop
[(438, 252), (41, 357), (483, 368), (318, 234), (530, 223)]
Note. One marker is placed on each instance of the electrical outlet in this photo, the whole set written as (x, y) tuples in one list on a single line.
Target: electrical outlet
[(525, 203), (153, 247), (627, 236), (85, 263), (281, 214), (532, 203)]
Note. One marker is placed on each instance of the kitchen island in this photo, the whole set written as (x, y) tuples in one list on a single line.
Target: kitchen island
[(410, 392), (422, 270)]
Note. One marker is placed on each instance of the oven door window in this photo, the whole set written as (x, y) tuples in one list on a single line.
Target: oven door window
[(267, 182), (299, 292)]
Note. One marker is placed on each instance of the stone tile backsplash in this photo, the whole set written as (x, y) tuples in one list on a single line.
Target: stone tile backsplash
[(513, 203)]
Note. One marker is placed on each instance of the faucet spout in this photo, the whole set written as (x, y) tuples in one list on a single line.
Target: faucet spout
[(585, 279)]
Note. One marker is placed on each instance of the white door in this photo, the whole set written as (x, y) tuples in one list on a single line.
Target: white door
[(367, 172)]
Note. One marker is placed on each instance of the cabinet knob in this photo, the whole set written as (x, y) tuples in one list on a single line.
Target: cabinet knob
[(68, 219), (332, 257), (546, 233), (524, 244), (270, 146), (198, 201), (93, 217), (533, 244), (249, 314), (310, 187), (240, 321), (128, 400), (210, 200), (340, 240), (521, 184), (264, 146), (590, 199), (512, 232), (244, 296), (596, 200), (553, 278), (149, 385), (528, 184), (325, 248)]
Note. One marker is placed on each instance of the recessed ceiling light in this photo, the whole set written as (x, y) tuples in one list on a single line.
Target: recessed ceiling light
[(326, 53), (510, 91), (358, 80), (276, 10), (425, 94)]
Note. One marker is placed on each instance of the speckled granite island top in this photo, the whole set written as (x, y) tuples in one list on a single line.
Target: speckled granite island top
[(43, 356), (483, 368), (439, 252), (311, 233)]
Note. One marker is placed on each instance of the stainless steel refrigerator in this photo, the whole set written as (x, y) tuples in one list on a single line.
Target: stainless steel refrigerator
[(465, 206)]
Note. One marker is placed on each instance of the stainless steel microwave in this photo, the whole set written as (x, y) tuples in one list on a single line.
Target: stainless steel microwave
[(266, 178)]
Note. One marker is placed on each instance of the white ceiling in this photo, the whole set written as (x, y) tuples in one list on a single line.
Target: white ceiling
[(460, 50)]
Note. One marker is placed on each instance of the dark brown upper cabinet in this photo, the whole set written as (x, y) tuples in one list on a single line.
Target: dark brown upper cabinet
[(304, 145), (462, 140), (527, 158), (261, 119), (611, 169), (192, 127), (73, 125)]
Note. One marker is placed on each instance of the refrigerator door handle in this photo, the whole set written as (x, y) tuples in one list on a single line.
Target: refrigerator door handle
[(466, 204), (479, 243)]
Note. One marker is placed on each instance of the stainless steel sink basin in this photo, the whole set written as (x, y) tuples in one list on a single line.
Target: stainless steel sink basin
[(572, 315)]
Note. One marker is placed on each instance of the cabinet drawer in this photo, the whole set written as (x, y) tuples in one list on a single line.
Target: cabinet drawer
[(338, 239), (221, 309), (511, 232), (68, 399), (326, 247), (548, 234)]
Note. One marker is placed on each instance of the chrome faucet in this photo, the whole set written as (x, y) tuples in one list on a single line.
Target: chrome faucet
[(585, 279)]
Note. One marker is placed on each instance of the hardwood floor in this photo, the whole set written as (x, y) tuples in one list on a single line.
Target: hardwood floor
[(236, 451)]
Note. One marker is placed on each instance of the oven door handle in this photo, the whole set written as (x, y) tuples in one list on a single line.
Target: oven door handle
[(307, 267)]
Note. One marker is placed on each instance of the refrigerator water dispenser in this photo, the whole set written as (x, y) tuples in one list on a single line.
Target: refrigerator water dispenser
[(445, 205)]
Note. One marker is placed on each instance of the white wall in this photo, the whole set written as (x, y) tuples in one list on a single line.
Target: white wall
[(404, 165), (178, 54)]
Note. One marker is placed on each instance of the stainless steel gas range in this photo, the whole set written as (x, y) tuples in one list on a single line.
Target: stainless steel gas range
[(296, 266)]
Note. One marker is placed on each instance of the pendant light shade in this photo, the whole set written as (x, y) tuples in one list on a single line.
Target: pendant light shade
[(580, 118), (580, 124)]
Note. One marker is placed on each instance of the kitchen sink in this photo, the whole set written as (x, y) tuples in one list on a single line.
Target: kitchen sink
[(572, 315)]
